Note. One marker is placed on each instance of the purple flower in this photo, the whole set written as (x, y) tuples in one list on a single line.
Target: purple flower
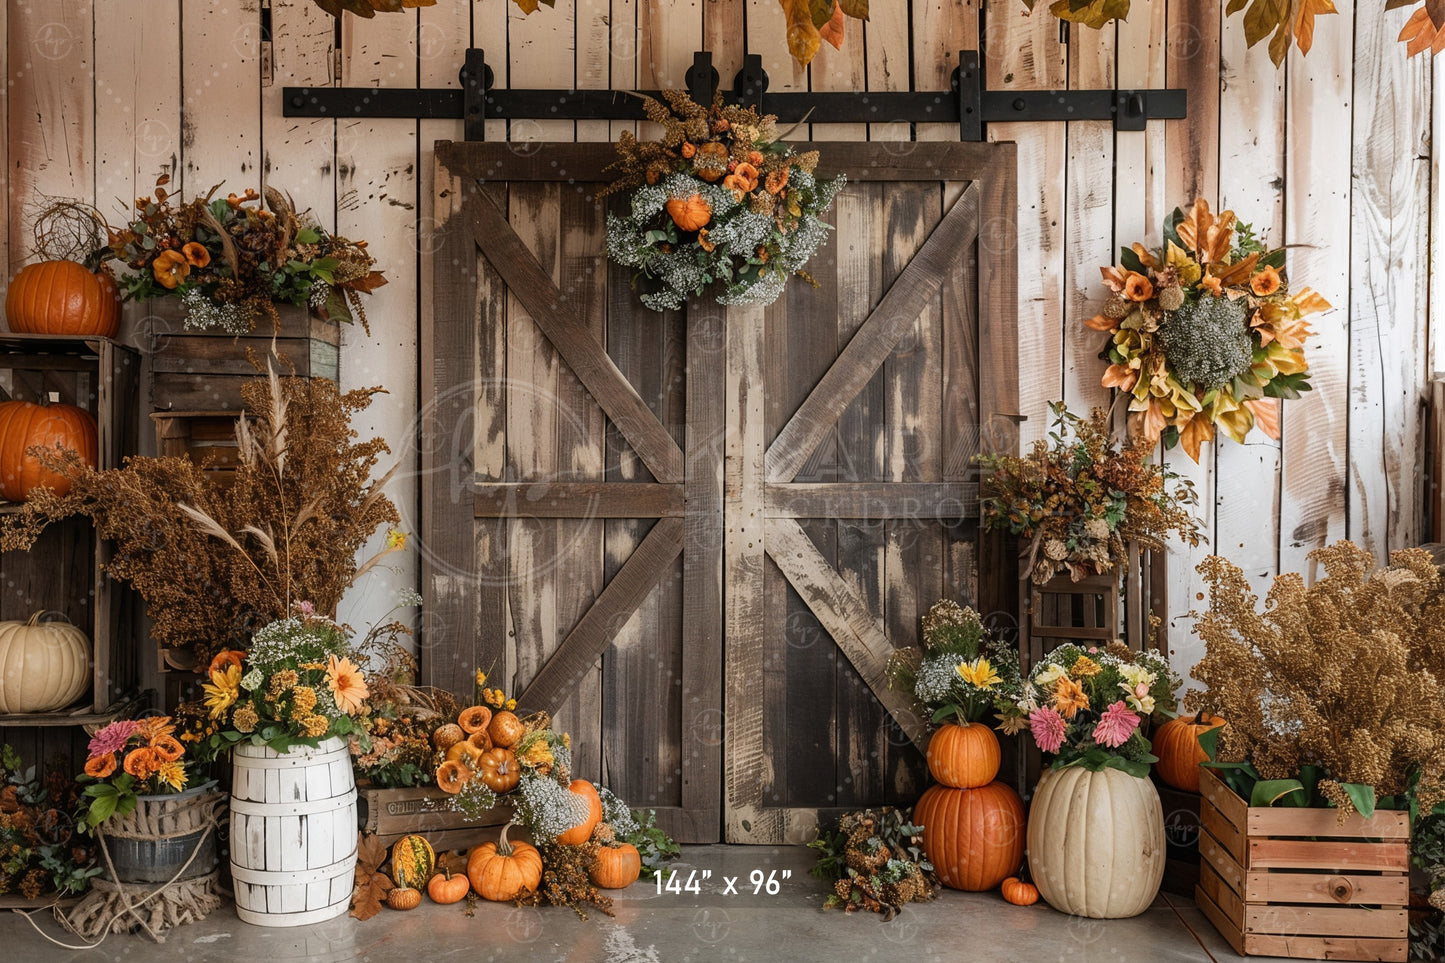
[(1048, 729), (112, 738), (1116, 725)]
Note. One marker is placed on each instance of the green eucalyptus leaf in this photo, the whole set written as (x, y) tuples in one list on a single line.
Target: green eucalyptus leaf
[(1362, 796)]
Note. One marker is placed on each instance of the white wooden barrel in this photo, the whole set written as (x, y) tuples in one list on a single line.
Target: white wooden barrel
[(293, 833)]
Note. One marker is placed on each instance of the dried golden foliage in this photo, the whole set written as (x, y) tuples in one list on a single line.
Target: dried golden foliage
[(1344, 674), (215, 560)]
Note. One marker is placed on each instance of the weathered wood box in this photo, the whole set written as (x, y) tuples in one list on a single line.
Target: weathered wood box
[(204, 370), (390, 814), (1297, 883)]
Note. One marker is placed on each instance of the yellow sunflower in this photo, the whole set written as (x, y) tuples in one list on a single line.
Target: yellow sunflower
[(222, 690)]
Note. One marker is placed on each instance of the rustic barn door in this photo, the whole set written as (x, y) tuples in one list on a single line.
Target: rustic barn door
[(694, 537)]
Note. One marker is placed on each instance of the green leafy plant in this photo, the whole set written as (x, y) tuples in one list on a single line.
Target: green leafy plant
[(638, 827), (39, 850)]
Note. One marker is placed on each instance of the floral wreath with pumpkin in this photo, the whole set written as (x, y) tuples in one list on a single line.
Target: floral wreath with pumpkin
[(1204, 333), (719, 198)]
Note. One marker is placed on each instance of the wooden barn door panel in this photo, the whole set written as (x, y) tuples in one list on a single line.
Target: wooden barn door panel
[(614, 497)]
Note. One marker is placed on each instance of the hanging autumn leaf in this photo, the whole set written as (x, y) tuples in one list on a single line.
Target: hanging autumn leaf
[(832, 30), (810, 22), (1286, 19), (370, 8), (1425, 30), (1090, 13)]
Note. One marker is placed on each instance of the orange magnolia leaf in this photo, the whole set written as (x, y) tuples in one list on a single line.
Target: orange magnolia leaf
[(1266, 415), (1147, 423), (1305, 12), (1239, 271), (832, 30), (1196, 224), (1194, 434), (1146, 257), (1218, 239), (857, 9), (1419, 32), (1119, 376), (526, 6), (803, 37), (1100, 323), (1309, 301)]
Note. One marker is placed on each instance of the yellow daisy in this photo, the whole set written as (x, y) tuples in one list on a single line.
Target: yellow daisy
[(979, 673)]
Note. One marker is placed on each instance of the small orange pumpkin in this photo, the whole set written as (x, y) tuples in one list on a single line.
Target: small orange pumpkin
[(582, 832), (964, 756), (24, 426), (480, 740), (403, 898), (692, 213), (1018, 892), (475, 719), (1177, 746), (452, 776), (465, 753), (506, 729), (499, 769), (616, 866), (710, 161), (62, 297), (503, 871), (447, 887)]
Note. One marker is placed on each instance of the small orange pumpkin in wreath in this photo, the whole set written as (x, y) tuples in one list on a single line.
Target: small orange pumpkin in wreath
[(692, 213)]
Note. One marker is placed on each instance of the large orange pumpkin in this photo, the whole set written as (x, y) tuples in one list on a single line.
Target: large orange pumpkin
[(582, 832), (973, 837), (23, 426), (1177, 746), (964, 756), (62, 297), (503, 871)]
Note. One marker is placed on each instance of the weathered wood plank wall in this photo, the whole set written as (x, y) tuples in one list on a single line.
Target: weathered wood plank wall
[(1332, 153)]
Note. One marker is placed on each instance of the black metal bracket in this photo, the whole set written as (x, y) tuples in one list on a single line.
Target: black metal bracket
[(968, 102)]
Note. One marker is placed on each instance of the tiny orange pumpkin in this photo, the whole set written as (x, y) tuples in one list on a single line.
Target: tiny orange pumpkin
[(691, 213), (506, 729), (499, 770), (1019, 892), (403, 898)]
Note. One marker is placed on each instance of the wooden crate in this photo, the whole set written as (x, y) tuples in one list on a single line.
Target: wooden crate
[(197, 370), (1094, 610), (202, 436), (390, 814), (62, 572), (1297, 883)]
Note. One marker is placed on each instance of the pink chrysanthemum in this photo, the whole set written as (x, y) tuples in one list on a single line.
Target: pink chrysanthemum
[(1116, 725), (1048, 729), (112, 737)]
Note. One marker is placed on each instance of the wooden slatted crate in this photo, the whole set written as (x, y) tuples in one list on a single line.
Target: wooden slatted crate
[(1094, 610), (194, 370), (1298, 883), (390, 814)]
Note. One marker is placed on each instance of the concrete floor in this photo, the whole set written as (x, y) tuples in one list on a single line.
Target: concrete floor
[(671, 928)]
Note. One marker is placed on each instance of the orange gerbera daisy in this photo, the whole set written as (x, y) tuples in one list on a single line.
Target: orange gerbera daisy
[(154, 728), (142, 763), (100, 766), (347, 685), (1265, 283), (168, 748), (1069, 697), (1137, 287)]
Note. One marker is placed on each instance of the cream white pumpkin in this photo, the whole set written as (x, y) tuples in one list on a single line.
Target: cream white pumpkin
[(43, 665), (1096, 842)]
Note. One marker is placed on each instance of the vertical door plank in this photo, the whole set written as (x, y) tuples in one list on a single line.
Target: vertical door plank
[(1089, 207), (137, 102), (751, 812), (668, 31), (1192, 61), (221, 69), (540, 49), (489, 34), (767, 37), (1315, 429), (376, 190), (5, 183), (887, 45), (845, 70), (532, 367), (1389, 288), (581, 439), (702, 578), (299, 153), (593, 68), (1024, 54), (51, 119), (862, 760), (1251, 183), (723, 34), (1139, 201), (941, 28)]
